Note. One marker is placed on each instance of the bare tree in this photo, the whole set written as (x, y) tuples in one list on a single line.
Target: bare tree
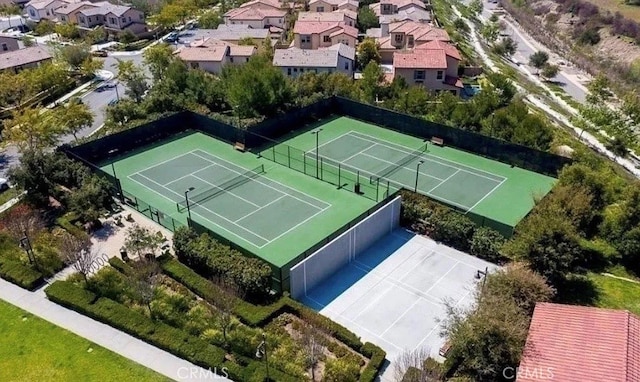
[(410, 366), (144, 277), (141, 241), (225, 303), (22, 220), (77, 252), (312, 341)]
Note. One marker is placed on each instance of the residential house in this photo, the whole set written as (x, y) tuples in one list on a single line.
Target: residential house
[(68, 13), (571, 343), (24, 58), (333, 5), (393, 7), (407, 35), (37, 10), (8, 44), (212, 55), (340, 16), (115, 18), (20, 3), (235, 33), (257, 18), (322, 34), (433, 65), (412, 14), (266, 4), (294, 62)]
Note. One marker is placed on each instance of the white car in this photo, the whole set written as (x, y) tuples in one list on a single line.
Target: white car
[(4, 184)]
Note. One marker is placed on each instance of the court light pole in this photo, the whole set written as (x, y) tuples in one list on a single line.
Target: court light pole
[(317, 134), (186, 198), (415, 189)]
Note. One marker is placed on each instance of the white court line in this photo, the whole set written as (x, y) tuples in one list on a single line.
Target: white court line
[(329, 141), (484, 197), (400, 317), (268, 185), (302, 222), (406, 168), (312, 152), (266, 205), (355, 324), (163, 162), (182, 177), (444, 181), (436, 161), (241, 227), (226, 191)]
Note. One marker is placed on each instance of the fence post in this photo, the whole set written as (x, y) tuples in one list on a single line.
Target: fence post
[(289, 155), (377, 189), (304, 162), (321, 168), (273, 151), (339, 175)]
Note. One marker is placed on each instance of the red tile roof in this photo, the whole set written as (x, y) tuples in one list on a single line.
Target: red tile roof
[(449, 49), (581, 344), (420, 59), (317, 27)]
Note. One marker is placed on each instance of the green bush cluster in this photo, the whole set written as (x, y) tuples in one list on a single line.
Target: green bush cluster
[(258, 316), (168, 338), (449, 227), (20, 274), (214, 259)]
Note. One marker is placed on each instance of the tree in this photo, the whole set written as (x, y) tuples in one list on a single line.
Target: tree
[(506, 47), (158, 58), (367, 19), (90, 199), (21, 221), (267, 49), (225, 304), (210, 20), (519, 284), (476, 7), (44, 27), (486, 244), (140, 241), (368, 51), (72, 117), (77, 252), (539, 59), (134, 79), (490, 32), (312, 344), (67, 31), (504, 88), (127, 37), (76, 56), (96, 36), (409, 366), (371, 82), (28, 41), (599, 90), (144, 278), (618, 146), (31, 129), (174, 12), (549, 71)]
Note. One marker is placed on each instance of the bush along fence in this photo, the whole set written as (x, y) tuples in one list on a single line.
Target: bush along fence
[(20, 274)]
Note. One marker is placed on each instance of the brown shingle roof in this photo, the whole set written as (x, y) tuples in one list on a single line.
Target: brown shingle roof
[(581, 344), (23, 57)]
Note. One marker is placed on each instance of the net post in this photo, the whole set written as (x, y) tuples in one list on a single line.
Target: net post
[(339, 175), (273, 152), (289, 155), (304, 162), (377, 190)]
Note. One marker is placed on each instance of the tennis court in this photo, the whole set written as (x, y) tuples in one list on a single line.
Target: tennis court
[(411, 168), (239, 200)]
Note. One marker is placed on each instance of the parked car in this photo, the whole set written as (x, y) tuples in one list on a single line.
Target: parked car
[(172, 37), (99, 53), (105, 86), (4, 184), (113, 102)]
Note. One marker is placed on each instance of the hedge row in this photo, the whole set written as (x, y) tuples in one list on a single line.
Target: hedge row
[(258, 316), (114, 314), (20, 274)]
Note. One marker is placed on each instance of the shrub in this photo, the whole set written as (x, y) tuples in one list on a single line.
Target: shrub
[(110, 284), (376, 357), (486, 244), (341, 370), (454, 229), (17, 273)]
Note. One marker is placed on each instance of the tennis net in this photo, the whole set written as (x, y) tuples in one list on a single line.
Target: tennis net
[(398, 165), (222, 188)]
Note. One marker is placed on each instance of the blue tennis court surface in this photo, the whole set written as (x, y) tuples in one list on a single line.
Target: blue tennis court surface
[(393, 293)]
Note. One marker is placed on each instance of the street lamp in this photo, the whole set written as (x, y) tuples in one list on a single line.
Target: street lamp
[(262, 351), (186, 198), (117, 94), (317, 134), (415, 189), (25, 244)]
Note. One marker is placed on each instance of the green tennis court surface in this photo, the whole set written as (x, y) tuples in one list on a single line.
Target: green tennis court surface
[(266, 208), (476, 185)]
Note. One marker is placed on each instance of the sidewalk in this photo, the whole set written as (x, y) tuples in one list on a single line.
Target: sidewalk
[(10, 203), (119, 342)]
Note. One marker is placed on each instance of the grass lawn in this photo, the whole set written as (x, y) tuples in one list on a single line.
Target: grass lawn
[(7, 195), (615, 293), (33, 349)]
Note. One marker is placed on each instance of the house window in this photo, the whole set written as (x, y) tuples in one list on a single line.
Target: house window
[(346, 65), (246, 59), (89, 19), (320, 9), (5, 47), (195, 65), (301, 70), (305, 39), (386, 8), (124, 19), (418, 75), (231, 59), (129, 19), (47, 12), (439, 75), (398, 38), (32, 13), (326, 38), (64, 18), (112, 20), (295, 70), (81, 19), (334, 8), (288, 71), (410, 41), (141, 17)]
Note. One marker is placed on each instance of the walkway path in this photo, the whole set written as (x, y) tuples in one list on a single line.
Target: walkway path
[(119, 342)]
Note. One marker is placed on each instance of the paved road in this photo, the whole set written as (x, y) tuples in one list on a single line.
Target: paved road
[(566, 77)]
